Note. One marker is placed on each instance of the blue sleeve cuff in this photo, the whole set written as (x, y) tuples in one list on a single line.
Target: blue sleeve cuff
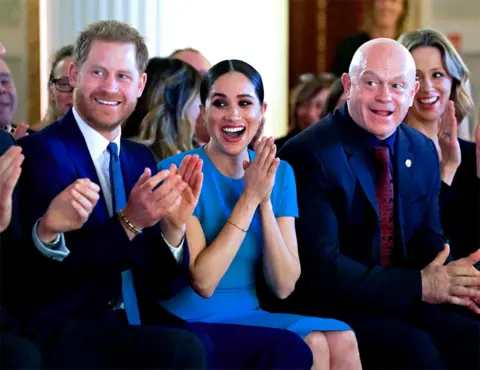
[(57, 250)]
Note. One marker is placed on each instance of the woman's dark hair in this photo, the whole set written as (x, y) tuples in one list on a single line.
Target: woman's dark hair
[(309, 86), (158, 70), (227, 66), (334, 94)]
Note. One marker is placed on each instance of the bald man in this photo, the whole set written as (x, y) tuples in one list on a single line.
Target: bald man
[(369, 234), (194, 58), (8, 101), (202, 65)]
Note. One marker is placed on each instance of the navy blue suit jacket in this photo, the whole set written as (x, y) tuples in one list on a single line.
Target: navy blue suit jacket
[(12, 234), (338, 228), (83, 284), (7, 238)]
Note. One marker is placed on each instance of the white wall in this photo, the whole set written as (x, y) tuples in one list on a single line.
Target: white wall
[(255, 31)]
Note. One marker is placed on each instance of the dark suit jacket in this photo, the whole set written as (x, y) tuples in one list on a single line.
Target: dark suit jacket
[(12, 234), (280, 142), (338, 227), (460, 205), (83, 284), (6, 141)]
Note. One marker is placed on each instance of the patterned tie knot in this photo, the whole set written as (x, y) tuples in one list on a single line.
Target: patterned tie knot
[(112, 149), (382, 153)]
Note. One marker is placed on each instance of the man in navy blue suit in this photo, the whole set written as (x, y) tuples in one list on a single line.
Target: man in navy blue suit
[(16, 352), (91, 298), (369, 234)]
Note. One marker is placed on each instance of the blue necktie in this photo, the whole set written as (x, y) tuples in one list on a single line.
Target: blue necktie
[(119, 202)]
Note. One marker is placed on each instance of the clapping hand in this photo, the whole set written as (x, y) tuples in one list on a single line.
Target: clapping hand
[(450, 155), (191, 172), (20, 131), (471, 302), (149, 202), (260, 174), (10, 169), (69, 210), (457, 282)]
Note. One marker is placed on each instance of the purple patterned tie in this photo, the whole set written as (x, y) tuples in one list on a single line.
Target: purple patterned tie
[(384, 193)]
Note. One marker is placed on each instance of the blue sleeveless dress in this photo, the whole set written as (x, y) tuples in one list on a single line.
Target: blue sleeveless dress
[(235, 299)]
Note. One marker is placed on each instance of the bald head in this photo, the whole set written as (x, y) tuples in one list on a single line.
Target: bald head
[(194, 58), (382, 52), (380, 86), (8, 94)]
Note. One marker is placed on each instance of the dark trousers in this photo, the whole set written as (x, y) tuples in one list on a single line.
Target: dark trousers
[(248, 347), (18, 353), (71, 344), (433, 337)]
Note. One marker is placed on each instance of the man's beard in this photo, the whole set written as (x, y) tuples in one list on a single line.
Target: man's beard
[(83, 106)]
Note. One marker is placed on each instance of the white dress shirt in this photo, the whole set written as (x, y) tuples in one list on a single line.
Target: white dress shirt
[(97, 147)]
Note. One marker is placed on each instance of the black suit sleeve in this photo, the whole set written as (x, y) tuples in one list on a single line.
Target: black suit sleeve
[(101, 249), (428, 240), (324, 267), (6, 141)]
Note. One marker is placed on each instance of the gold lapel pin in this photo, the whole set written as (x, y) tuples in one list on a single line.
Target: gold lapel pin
[(408, 163)]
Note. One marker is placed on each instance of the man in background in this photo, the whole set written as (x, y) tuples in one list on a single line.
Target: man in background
[(9, 100)]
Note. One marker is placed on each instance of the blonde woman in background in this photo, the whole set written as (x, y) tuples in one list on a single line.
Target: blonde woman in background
[(440, 104), (170, 105), (60, 92)]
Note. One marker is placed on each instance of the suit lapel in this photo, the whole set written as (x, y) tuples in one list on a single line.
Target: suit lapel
[(358, 161), (403, 162), (78, 152)]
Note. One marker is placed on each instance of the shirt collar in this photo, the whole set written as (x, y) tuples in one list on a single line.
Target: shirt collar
[(96, 143), (7, 127), (366, 138)]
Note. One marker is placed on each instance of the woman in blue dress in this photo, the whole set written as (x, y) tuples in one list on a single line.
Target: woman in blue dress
[(245, 215)]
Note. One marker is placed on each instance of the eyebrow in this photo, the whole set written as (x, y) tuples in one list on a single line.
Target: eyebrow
[(238, 96), (123, 71), (397, 77), (5, 74)]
